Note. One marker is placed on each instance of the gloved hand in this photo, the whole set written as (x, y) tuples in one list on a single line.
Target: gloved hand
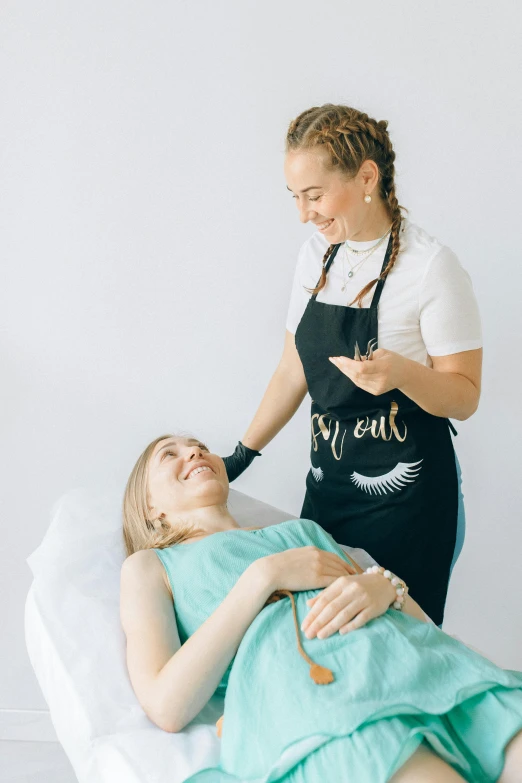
[(239, 460)]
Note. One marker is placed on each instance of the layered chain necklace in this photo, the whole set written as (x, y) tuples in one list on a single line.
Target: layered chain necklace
[(362, 255)]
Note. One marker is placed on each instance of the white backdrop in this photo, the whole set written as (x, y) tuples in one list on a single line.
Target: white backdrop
[(148, 244)]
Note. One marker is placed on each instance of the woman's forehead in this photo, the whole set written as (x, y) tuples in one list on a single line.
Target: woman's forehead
[(176, 441)]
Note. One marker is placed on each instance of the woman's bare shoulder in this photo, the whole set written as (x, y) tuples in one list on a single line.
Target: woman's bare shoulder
[(140, 560), (145, 564)]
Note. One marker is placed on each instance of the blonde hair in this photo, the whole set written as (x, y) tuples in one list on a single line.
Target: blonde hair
[(139, 531), (349, 137)]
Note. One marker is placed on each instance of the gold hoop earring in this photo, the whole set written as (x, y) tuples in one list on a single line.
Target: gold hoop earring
[(367, 198)]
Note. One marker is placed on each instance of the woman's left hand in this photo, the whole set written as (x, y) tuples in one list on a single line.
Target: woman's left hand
[(387, 370), (348, 603)]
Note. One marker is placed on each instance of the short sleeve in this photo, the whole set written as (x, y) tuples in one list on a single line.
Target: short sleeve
[(449, 314), (298, 297)]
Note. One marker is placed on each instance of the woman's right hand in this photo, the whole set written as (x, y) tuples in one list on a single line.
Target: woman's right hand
[(302, 568)]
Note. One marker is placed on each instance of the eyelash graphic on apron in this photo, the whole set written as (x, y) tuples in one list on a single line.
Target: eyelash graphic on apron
[(398, 478)]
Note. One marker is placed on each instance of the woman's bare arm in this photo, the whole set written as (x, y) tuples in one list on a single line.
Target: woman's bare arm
[(283, 396), (450, 388), (412, 607), (172, 682)]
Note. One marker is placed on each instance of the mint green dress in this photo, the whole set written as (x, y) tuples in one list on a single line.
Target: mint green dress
[(398, 681)]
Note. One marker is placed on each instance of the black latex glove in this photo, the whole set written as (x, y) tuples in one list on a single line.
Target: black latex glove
[(239, 460)]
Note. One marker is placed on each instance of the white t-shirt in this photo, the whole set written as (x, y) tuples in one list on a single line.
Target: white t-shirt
[(427, 307)]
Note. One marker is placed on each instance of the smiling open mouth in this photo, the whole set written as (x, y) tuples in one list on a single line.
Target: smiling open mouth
[(198, 470), (325, 226)]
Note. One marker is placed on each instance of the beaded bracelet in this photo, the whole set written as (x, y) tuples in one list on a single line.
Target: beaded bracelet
[(400, 586)]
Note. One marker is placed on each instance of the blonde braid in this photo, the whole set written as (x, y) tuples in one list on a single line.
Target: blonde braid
[(387, 186)]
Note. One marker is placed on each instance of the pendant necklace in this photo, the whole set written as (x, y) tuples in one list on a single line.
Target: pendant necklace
[(358, 264)]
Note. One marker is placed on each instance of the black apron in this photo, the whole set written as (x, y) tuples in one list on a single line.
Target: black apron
[(383, 473)]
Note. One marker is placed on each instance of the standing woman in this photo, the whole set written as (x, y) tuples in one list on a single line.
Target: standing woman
[(383, 331)]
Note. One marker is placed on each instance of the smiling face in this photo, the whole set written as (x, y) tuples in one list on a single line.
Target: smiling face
[(184, 476), (334, 202)]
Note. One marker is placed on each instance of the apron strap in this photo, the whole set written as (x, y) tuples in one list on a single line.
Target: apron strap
[(452, 428), (328, 264)]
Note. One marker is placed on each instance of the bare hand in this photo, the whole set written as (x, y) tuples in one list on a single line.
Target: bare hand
[(348, 603), (386, 371), (304, 568)]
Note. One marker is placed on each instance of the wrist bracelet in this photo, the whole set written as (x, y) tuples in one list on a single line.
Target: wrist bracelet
[(400, 587)]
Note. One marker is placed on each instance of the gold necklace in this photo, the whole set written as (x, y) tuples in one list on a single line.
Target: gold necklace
[(366, 250), (353, 269)]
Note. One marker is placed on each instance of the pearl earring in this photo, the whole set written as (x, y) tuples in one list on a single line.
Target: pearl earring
[(367, 198)]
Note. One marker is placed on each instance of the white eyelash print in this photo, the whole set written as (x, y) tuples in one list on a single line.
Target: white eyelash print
[(401, 475), (317, 473)]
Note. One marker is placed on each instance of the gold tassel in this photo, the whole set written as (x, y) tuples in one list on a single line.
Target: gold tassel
[(320, 674)]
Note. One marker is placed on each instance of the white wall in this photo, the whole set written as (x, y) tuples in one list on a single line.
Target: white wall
[(148, 244)]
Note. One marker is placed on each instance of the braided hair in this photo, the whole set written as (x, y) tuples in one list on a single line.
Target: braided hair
[(350, 137)]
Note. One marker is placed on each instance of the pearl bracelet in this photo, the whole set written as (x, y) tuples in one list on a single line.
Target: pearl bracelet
[(400, 586)]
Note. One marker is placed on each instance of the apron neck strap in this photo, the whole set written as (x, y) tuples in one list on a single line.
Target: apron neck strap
[(328, 264)]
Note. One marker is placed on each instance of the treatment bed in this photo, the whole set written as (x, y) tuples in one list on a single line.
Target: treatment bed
[(76, 646)]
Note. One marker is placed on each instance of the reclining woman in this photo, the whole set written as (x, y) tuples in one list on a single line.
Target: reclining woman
[(381, 695)]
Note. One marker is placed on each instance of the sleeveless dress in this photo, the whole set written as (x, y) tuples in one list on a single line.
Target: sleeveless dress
[(397, 681)]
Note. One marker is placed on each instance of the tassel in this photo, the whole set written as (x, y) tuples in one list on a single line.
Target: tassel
[(219, 726), (320, 674)]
